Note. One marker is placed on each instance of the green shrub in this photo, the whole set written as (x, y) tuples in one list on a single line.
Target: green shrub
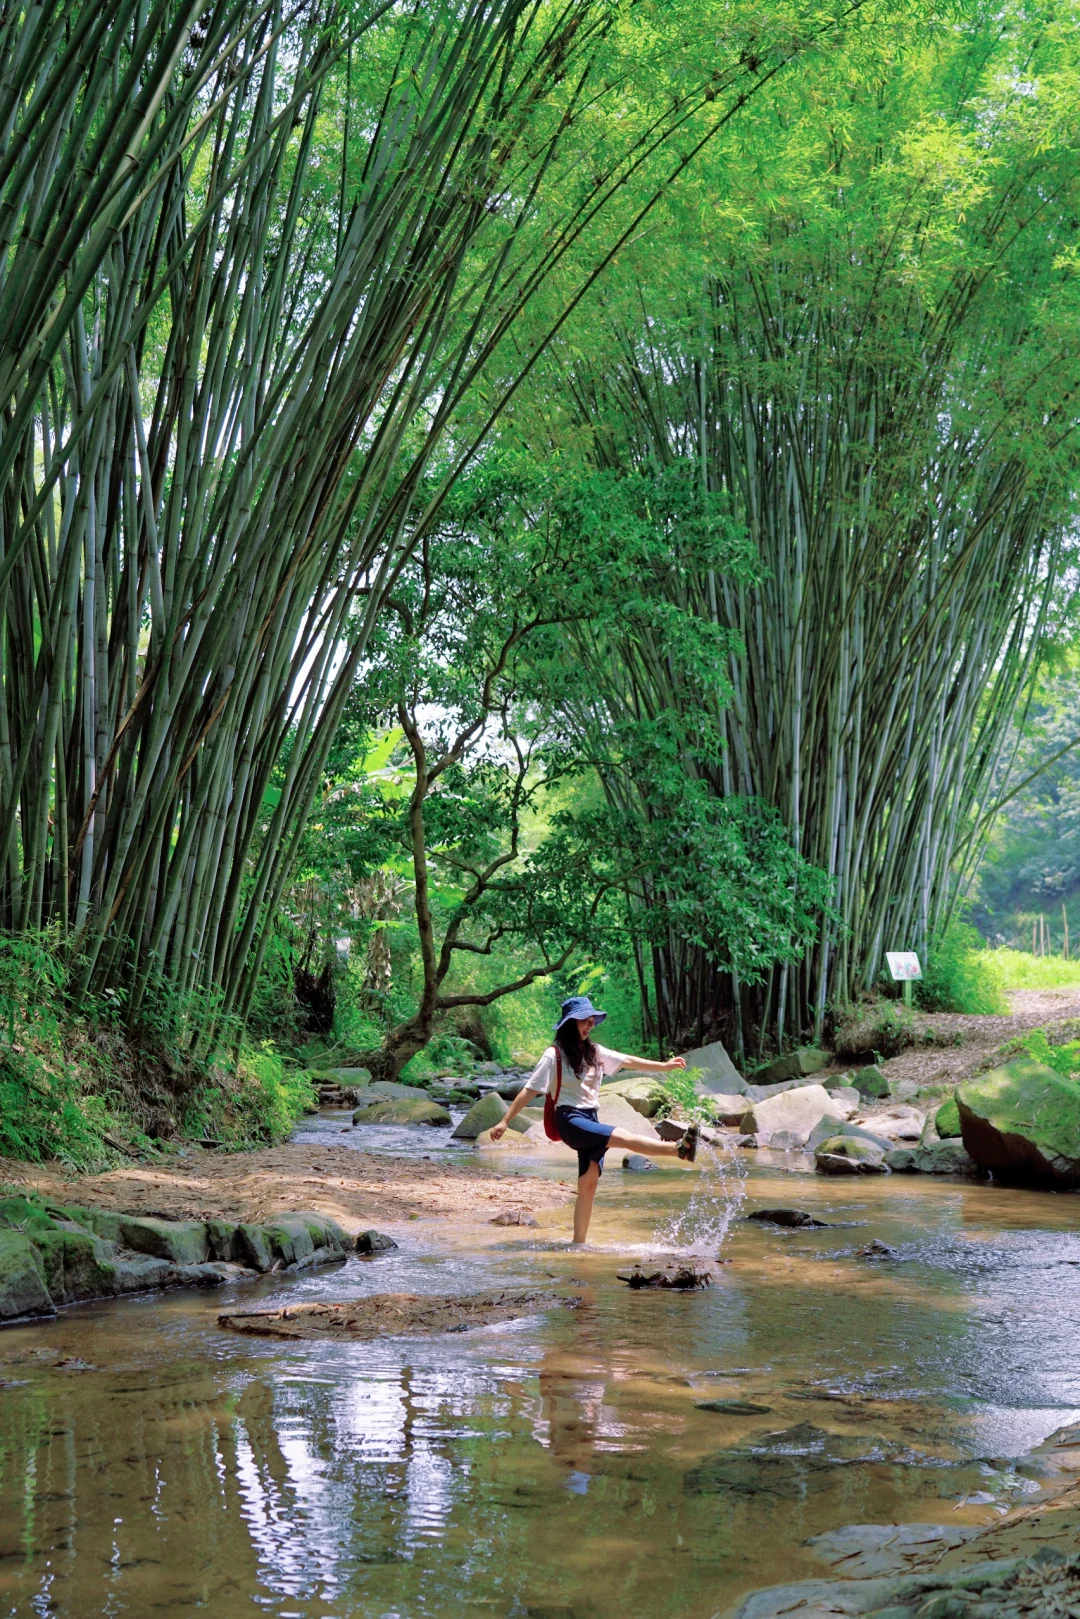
[(1064, 1059), (681, 1098), (962, 975)]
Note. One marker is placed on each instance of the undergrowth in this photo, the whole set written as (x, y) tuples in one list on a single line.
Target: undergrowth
[(83, 1089)]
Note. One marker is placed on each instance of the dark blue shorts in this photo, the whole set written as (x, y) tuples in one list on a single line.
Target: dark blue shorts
[(582, 1131)]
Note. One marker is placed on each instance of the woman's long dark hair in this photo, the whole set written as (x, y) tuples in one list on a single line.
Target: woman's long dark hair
[(579, 1053)]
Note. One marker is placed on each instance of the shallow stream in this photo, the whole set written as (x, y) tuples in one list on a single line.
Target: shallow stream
[(556, 1467)]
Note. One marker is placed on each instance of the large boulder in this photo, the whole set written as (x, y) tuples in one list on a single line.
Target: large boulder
[(794, 1112), (643, 1093), (793, 1065), (1022, 1122), (616, 1110), (480, 1117), (897, 1123), (719, 1075), (847, 1155), (934, 1158), (393, 1088), (394, 1110)]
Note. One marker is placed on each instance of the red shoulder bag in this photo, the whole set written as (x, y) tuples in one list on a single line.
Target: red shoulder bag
[(551, 1128)]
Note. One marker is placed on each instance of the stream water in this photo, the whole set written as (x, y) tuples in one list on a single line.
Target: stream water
[(556, 1467)]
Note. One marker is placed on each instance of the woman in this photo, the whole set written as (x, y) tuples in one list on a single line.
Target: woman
[(583, 1067)]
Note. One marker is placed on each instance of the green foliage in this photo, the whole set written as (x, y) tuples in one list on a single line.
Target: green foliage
[(45, 1111), (72, 1086), (681, 1099), (255, 1103), (962, 975), (1064, 1059)]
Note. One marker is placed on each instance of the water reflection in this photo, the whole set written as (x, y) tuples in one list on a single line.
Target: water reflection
[(552, 1465)]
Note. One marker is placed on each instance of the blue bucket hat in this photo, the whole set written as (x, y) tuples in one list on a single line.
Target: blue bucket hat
[(579, 1007)]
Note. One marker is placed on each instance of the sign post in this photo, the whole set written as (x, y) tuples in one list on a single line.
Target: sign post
[(904, 967)]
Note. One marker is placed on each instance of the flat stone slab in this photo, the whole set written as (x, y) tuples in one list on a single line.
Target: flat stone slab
[(865, 1550), (393, 1315)]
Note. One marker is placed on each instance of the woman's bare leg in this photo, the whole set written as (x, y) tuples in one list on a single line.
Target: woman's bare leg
[(586, 1192), (646, 1144)]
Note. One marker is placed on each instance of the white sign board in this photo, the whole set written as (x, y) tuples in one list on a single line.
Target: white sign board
[(903, 964)]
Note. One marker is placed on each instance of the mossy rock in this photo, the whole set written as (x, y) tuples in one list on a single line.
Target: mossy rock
[(22, 1281), (483, 1115), (1022, 1122), (397, 1110), (645, 1095), (849, 1155), (947, 1120), (870, 1082)]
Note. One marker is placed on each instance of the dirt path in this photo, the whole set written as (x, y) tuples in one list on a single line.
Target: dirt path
[(358, 1189), (975, 1038)]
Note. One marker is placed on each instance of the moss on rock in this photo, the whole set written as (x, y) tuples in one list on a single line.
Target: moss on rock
[(1022, 1122)]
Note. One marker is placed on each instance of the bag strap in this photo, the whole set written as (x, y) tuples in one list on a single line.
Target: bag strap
[(558, 1075)]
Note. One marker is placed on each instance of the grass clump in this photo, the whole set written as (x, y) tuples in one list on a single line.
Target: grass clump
[(962, 975)]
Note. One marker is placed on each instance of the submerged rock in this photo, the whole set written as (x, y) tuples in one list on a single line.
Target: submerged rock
[(637, 1163), (785, 1217), (1022, 1121), (680, 1278), (848, 1155), (515, 1217), (389, 1314), (1043, 1585), (876, 1249), (374, 1242), (733, 1408), (52, 1255), (865, 1550)]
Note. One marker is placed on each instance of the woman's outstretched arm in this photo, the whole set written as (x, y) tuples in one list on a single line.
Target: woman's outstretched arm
[(645, 1065), (521, 1100)]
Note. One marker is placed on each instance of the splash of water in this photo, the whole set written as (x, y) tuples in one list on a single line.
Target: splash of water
[(703, 1224)]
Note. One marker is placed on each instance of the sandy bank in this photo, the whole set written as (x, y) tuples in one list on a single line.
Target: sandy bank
[(355, 1188)]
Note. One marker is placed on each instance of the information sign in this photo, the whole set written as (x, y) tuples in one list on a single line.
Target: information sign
[(904, 965)]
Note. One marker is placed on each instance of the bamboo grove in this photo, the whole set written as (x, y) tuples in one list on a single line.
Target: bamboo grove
[(892, 420), (254, 259)]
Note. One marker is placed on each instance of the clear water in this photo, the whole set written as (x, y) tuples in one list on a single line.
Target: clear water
[(556, 1466)]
